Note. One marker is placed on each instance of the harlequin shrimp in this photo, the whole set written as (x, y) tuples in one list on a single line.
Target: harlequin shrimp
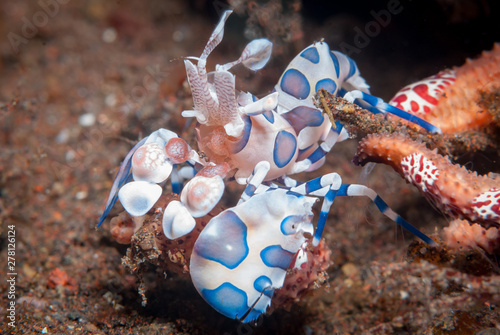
[(242, 255), (283, 128)]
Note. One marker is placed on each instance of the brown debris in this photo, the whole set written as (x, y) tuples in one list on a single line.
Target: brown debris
[(59, 278), (472, 261), (361, 121)]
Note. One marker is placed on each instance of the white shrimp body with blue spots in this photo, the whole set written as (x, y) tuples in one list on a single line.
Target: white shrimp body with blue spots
[(294, 130), (236, 269), (314, 68), (267, 136)]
